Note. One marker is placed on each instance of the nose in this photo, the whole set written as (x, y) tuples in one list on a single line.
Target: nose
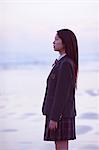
[(54, 42)]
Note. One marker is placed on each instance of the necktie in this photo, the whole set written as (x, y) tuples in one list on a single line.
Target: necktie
[(55, 62)]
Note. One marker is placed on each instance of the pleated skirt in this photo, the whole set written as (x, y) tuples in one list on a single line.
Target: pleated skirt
[(64, 131)]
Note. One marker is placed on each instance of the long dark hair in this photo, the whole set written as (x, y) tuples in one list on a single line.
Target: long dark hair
[(71, 47)]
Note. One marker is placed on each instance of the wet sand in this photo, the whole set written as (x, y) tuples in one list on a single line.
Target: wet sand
[(21, 120)]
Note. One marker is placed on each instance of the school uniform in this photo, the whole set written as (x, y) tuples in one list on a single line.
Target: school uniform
[(59, 101)]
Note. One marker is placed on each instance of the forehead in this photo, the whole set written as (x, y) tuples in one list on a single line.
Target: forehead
[(56, 36)]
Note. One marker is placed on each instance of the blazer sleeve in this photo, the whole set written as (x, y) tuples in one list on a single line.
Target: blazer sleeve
[(62, 91)]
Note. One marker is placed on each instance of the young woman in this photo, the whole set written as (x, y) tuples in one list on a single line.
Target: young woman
[(59, 101)]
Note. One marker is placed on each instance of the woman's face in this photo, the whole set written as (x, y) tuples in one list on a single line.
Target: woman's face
[(57, 44)]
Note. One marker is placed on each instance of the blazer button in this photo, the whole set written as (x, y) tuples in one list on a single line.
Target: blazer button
[(53, 76), (60, 117)]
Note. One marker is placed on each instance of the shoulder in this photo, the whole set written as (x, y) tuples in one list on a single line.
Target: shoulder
[(66, 62), (66, 65)]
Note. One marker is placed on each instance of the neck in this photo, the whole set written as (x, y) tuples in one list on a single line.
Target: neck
[(62, 52)]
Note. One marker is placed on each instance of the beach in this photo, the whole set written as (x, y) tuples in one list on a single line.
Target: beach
[(21, 120)]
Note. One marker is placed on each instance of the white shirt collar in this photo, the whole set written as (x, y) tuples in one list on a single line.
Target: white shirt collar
[(61, 56)]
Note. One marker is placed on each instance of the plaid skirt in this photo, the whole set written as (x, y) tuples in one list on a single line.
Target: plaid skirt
[(65, 130)]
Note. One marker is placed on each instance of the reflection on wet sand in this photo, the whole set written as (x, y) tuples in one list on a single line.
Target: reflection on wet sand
[(82, 129), (89, 115), (9, 130), (92, 92)]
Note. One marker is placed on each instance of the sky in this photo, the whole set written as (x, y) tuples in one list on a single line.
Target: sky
[(28, 27)]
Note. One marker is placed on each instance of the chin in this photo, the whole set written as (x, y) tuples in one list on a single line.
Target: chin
[(56, 49)]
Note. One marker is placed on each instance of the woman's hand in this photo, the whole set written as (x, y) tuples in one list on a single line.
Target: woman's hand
[(52, 125)]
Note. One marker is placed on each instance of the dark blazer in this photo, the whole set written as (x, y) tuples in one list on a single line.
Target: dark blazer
[(59, 100)]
